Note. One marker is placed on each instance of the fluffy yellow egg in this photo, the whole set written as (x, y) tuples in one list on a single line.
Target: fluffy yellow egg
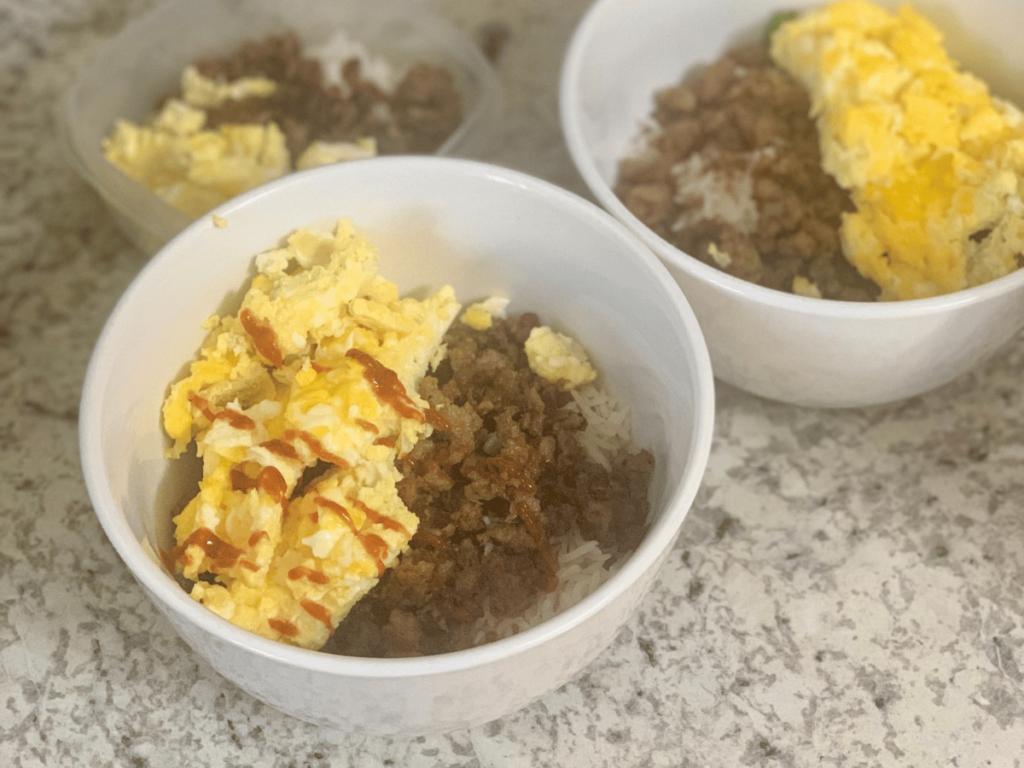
[(317, 372), (933, 162), (194, 168), (558, 358)]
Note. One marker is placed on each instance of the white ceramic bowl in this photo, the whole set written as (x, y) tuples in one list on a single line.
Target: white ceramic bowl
[(146, 58), (781, 346), (486, 231)]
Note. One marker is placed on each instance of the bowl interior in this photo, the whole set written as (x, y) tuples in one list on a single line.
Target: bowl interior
[(484, 230), (147, 57)]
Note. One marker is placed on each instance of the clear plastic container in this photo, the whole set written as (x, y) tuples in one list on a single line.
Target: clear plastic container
[(145, 60)]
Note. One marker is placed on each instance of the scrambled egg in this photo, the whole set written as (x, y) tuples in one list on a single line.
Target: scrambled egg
[(933, 162), (804, 287), (326, 152), (480, 315), (558, 358), (298, 405), (202, 92), (190, 167), (195, 169)]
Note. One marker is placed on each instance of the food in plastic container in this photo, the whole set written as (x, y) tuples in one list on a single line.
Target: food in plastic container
[(270, 108), (147, 57)]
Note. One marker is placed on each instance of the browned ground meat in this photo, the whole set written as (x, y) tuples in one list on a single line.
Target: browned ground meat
[(423, 111), (742, 112), (491, 492)]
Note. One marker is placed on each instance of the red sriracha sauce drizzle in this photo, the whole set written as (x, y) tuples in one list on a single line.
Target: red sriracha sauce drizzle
[(374, 545), (263, 338), (234, 418), (386, 386)]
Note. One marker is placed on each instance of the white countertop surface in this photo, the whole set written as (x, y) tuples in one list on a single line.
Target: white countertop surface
[(848, 589)]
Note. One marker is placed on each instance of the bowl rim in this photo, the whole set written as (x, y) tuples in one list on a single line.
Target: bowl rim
[(570, 112), (659, 539)]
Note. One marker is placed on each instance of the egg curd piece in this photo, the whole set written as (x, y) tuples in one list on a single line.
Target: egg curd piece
[(558, 358), (202, 92), (194, 168), (934, 163), (190, 167), (298, 406), (480, 315)]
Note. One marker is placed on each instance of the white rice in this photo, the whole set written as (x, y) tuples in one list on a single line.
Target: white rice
[(608, 425), (725, 192), (339, 49)]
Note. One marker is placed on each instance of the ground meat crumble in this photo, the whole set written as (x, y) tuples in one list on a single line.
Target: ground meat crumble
[(741, 126), (492, 492), (422, 112)]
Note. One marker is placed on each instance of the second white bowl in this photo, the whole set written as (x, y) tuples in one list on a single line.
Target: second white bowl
[(799, 350)]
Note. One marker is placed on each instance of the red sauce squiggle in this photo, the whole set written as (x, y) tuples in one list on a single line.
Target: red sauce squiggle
[(269, 480), (374, 545), (302, 572), (369, 426), (281, 448), (318, 367), (428, 538), (315, 446), (222, 554), (437, 420), (202, 405), (263, 338), (388, 442), (317, 611), (286, 628), (254, 539), (377, 518), (386, 385), (234, 418)]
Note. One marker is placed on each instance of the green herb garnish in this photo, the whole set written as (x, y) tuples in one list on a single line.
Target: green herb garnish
[(777, 21)]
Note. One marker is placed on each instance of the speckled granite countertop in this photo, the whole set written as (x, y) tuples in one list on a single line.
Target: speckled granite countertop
[(848, 589)]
